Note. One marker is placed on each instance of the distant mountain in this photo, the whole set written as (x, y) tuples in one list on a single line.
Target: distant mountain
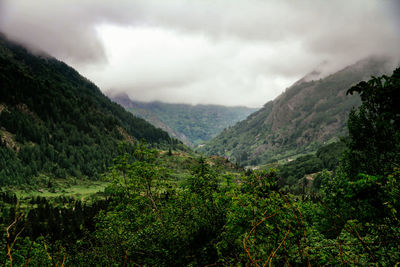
[(55, 122), (193, 125), (307, 114)]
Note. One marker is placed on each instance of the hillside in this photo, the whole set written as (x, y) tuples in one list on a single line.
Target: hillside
[(55, 122), (306, 115), (193, 125)]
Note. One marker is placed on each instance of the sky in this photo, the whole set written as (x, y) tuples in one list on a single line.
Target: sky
[(228, 52)]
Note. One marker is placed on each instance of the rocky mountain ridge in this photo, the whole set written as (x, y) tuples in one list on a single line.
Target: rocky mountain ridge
[(306, 115)]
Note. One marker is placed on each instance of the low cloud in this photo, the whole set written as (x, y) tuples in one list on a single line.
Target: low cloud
[(242, 52)]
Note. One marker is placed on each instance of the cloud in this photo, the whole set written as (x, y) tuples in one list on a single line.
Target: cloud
[(178, 67), (210, 51), (50, 26)]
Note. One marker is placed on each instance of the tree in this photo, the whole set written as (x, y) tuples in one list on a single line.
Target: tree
[(136, 174), (374, 128), (362, 199), (203, 180)]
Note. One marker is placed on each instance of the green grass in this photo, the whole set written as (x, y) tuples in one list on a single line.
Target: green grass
[(176, 168), (82, 190)]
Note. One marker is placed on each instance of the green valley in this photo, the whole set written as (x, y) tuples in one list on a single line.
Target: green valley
[(83, 182), (192, 124)]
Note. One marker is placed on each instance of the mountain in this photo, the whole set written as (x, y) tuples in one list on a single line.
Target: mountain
[(193, 125), (55, 122), (306, 115)]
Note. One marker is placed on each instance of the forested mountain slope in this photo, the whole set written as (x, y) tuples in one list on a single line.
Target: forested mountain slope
[(193, 124), (299, 120), (53, 121)]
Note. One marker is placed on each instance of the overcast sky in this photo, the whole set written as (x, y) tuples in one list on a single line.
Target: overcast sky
[(230, 52)]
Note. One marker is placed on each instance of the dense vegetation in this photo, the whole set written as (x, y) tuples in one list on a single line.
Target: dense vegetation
[(309, 169), (193, 125), (297, 122), (55, 122), (217, 217)]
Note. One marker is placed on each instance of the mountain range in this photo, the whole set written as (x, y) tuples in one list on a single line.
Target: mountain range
[(55, 122), (192, 124), (308, 114)]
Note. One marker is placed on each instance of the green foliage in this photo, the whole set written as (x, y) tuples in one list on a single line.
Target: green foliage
[(204, 180), (153, 224), (366, 189), (252, 226), (330, 154), (374, 129), (321, 178), (293, 171), (372, 149), (44, 233), (327, 158), (247, 221)]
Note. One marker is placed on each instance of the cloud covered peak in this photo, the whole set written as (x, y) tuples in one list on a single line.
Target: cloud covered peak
[(203, 51)]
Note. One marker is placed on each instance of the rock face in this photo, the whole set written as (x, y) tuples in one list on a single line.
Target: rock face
[(306, 115)]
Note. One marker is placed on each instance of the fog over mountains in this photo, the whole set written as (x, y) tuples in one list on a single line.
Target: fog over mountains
[(200, 52)]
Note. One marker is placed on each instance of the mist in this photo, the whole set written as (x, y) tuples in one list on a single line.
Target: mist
[(243, 52)]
